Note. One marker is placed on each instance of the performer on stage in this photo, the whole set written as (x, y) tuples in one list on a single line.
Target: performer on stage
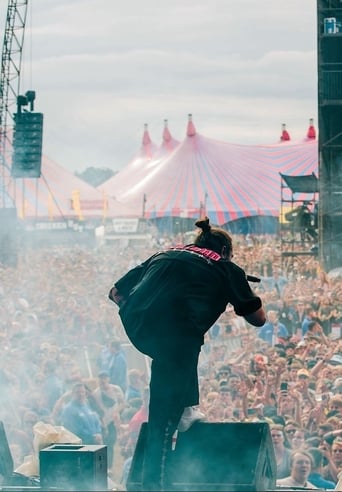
[(167, 304)]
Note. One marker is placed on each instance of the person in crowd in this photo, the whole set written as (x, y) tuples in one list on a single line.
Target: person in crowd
[(52, 385), (167, 305), (329, 469), (282, 453), (336, 454), (310, 315), (276, 282), (113, 361), (233, 385), (110, 402), (291, 426), (298, 439), (273, 330), (79, 418), (298, 311), (286, 314), (327, 313), (334, 414), (303, 380), (224, 372), (316, 477), (315, 331), (301, 465), (337, 386), (139, 417), (135, 385)]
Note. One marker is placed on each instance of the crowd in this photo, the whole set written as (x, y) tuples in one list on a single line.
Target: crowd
[(64, 348)]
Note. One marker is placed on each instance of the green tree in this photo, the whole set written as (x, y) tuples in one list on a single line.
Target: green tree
[(95, 175)]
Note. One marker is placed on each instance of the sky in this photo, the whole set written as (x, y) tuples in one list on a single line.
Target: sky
[(101, 69)]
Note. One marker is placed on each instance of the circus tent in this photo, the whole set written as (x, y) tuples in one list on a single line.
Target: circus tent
[(59, 195), (226, 181)]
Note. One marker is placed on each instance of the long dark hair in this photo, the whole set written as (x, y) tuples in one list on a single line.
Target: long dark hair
[(213, 238)]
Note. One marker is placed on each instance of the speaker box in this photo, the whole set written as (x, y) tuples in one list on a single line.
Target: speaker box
[(27, 145), (215, 456), (73, 467)]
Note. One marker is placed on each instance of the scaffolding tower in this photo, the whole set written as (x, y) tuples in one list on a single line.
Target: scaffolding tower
[(329, 63), (299, 236)]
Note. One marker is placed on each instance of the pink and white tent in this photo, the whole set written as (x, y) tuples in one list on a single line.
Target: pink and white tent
[(202, 175), (59, 194)]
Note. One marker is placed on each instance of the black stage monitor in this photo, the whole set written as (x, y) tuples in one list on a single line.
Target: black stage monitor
[(215, 456)]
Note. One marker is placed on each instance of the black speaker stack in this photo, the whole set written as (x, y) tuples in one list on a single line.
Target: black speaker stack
[(215, 457)]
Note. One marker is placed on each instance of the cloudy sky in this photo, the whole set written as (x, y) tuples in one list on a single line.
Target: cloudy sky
[(103, 68)]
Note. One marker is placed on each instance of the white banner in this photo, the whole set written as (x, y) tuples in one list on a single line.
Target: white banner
[(125, 225)]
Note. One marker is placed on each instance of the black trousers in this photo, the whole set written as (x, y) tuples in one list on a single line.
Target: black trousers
[(173, 386)]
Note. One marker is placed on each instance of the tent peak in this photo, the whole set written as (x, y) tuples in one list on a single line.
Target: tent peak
[(191, 130), (285, 136), (148, 147), (146, 137), (166, 133), (311, 133)]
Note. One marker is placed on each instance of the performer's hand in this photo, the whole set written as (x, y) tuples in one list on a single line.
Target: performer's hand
[(116, 297)]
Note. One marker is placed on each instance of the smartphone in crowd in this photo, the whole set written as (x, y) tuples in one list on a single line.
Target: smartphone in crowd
[(283, 387)]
